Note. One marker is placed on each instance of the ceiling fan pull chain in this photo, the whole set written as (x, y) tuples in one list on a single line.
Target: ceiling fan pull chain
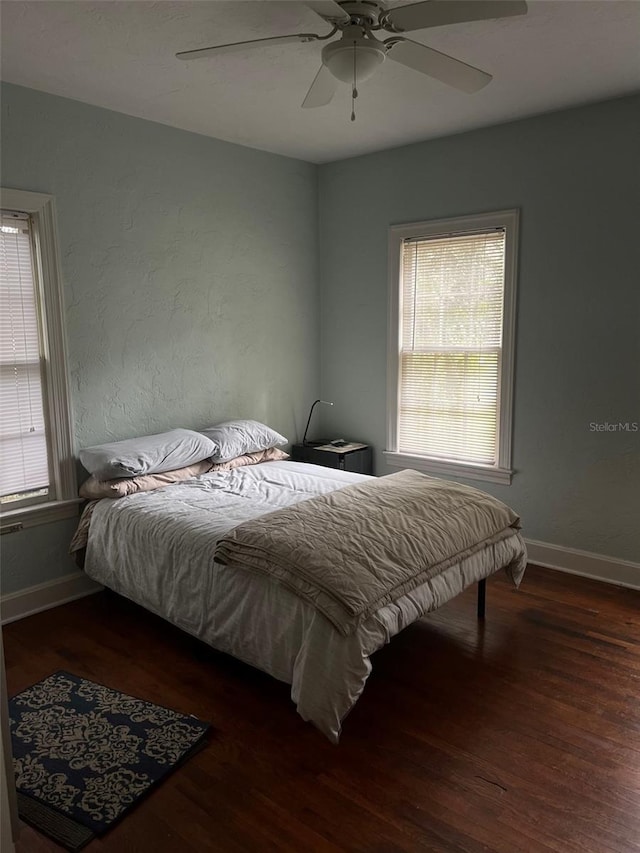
[(354, 91)]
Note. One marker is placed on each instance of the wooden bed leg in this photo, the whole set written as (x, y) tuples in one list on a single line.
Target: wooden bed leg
[(482, 595)]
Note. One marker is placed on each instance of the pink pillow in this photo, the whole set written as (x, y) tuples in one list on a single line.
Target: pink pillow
[(94, 489), (272, 454)]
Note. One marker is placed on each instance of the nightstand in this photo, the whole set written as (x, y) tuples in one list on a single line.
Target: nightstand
[(351, 457)]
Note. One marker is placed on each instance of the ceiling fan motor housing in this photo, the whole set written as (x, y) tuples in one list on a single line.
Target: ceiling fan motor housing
[(338, 56), (365, 11)]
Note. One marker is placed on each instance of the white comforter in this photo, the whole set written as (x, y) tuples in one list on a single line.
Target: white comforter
[(156, 548)]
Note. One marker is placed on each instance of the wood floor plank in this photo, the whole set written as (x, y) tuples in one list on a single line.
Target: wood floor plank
[(517, 735)]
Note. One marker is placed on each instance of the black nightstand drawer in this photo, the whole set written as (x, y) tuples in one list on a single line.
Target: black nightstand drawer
[(353, 457)]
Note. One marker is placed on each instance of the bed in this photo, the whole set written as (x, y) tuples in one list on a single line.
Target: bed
[(156, 548)]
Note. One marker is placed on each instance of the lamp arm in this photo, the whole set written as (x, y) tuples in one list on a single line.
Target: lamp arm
[(306, 429), (313, 405)]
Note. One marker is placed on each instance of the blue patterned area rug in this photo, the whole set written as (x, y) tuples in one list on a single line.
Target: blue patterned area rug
[(84, 754)]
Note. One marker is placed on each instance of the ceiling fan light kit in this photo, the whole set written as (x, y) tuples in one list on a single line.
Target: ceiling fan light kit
[(338, 56), (358, 54)]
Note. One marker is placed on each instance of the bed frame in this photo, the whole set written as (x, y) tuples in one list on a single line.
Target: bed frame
[(482, 597)]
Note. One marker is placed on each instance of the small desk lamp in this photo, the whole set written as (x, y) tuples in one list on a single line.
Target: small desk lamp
[(304, 437)]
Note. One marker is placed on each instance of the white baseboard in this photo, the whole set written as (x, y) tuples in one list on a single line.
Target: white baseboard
[(34, 599), (584, 563), (43, 596)]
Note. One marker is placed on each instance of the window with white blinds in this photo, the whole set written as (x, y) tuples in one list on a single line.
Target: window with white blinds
[(37, 468), (453, 298), (24, 459)]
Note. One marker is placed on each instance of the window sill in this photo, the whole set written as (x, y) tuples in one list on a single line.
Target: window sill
[(13, 520), (447, 468)]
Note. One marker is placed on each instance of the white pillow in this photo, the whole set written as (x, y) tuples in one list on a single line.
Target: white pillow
[(148, 454), (237, 438)]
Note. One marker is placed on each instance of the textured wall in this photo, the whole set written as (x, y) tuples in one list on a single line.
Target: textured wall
[(575, 177), (190, 278), (190, 281)]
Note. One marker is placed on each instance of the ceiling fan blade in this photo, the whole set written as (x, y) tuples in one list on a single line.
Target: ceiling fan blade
[(242, 45), (321, 90), (437, 13), (444, 68), (329, 10)]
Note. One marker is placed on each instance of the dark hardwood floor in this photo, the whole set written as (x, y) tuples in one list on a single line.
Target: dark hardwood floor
[(518, 735)]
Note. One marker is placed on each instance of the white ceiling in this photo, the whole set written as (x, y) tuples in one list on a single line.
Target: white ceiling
[(120, 55)]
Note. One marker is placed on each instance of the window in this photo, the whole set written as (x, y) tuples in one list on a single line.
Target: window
[(451, 343), (37, 482)]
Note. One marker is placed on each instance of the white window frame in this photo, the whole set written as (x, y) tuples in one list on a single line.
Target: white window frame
[(502, 471), (56, 399)]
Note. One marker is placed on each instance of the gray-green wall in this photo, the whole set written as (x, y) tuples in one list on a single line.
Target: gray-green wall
[(191, 271), (190, 281), (575, 176)]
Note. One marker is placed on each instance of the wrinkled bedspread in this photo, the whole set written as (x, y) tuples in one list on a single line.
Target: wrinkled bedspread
[(352, 551)]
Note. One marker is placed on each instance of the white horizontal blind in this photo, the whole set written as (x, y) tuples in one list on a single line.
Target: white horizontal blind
[(24, 465), (451, 346)]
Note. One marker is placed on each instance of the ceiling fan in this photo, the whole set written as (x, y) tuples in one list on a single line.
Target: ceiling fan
[(357, 53)]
